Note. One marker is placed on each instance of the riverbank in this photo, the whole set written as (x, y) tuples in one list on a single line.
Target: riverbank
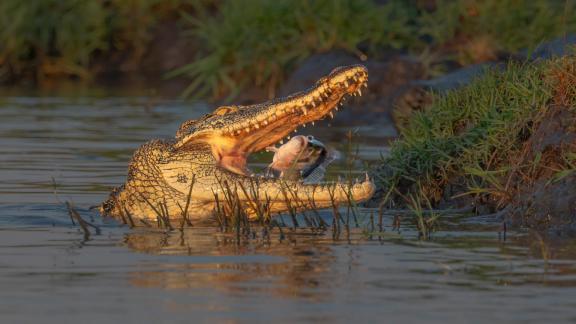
[(504, 145)]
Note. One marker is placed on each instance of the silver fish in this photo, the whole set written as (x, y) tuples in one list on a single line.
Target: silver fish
[(302, 158)]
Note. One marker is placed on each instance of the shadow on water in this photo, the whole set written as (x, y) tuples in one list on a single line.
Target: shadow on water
[(50, 271)]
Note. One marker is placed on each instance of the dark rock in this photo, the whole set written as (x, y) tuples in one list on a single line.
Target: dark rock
[(315, 67), (457, 78), (557, 47), (387, 80)]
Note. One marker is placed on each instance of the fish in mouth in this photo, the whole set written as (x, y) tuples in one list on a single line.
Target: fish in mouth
[(301, 158), (189, 170)]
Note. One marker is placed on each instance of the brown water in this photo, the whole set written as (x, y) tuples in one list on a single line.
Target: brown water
[(49, 273)]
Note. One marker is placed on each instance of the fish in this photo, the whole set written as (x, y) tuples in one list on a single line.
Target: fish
[(301, 158)]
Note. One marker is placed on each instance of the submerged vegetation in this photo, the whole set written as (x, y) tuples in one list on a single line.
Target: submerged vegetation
[(256, 43), (494, 142)]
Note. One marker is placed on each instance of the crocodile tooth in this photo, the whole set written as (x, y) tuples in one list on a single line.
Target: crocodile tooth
[(304, 111), (312, 123), (346, 83), (331, 115), (288, 137), (295, 130), (265, 122), (281, 141), (256, 126), (304, 125), (336, 107), (359, 92)]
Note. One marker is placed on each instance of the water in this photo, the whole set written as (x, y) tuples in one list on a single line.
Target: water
[(55, 149)]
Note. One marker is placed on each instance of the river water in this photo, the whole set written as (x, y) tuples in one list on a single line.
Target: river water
[(57, 149)]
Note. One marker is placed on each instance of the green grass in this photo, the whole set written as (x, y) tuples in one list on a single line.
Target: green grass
[(256, 42), (475, 30), (48, 34), (44, 38), (471, 138)]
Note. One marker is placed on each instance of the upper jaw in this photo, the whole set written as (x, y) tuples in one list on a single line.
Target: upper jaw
[(253, 128), (265, 124)]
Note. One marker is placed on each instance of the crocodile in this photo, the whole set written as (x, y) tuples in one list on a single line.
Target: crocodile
[(182, 177)]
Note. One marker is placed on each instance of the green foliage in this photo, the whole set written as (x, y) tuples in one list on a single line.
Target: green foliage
[(497, 25), (54, 37), (50, 34), (471, 135), (255, 42)]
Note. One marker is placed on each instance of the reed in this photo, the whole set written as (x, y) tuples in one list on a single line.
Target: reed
[(84, 225)]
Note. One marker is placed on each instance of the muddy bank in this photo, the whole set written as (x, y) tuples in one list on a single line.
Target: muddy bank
[(545, 198)]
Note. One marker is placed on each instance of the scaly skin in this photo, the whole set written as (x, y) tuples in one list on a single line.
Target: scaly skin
[(213, 151)]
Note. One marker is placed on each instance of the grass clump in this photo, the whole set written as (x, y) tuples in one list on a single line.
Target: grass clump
[(479, 141)]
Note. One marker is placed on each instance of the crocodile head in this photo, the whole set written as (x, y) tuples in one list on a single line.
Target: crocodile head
[(234, 132)]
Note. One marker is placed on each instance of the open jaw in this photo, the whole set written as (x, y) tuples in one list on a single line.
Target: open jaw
[(239, 131)]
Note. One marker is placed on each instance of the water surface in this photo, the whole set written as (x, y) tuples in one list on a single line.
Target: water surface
[(56, 149)]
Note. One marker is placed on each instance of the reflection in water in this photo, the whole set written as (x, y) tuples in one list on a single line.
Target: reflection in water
[(298, 266), (306, 265)]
